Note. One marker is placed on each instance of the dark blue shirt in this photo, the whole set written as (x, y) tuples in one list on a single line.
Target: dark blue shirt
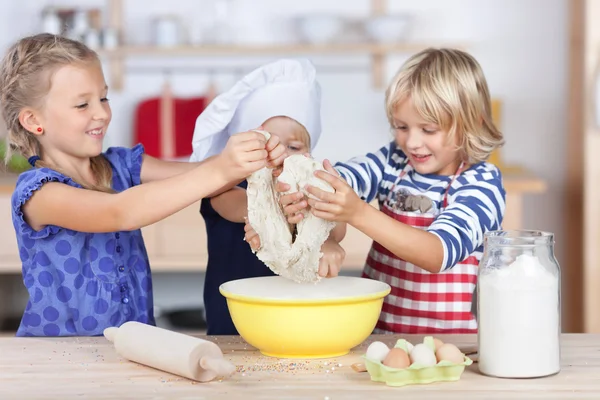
[(229, 258)]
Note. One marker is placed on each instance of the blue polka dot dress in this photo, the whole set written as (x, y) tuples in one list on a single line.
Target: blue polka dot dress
[(81, 283)]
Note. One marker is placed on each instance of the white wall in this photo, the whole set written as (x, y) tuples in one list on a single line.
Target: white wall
[(521, 44)]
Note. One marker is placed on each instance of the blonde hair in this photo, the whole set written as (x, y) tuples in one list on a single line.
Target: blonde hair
[(26, 78), (448, 88)]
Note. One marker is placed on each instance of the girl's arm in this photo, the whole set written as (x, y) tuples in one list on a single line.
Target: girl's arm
[(231, 205), (475, 208), (154, 169), (91, 211)]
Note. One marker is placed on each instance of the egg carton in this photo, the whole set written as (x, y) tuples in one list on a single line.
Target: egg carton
[(415, 374)]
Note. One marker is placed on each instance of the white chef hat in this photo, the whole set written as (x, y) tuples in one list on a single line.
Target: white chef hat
[(286, 87)]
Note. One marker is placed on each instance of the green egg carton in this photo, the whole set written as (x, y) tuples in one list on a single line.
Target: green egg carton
[(415, 374)]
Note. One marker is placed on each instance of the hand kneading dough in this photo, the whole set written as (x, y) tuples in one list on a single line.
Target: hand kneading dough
[(297, 260)]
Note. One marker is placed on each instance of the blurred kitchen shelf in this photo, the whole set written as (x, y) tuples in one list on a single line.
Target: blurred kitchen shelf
[(377, 51), (291, 49)]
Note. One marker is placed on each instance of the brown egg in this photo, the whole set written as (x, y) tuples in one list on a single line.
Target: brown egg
[(397, 358), (438, 343), (449, 352)]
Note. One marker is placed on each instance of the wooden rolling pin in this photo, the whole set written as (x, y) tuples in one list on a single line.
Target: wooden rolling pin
[(179, 354)]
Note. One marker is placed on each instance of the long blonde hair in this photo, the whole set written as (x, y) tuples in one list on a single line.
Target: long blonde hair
[(448, 88), (25, 79)]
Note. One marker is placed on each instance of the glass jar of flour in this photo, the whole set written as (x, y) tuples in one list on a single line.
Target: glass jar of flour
[(518, 305)]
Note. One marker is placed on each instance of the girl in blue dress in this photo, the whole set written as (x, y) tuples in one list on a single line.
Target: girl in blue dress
[(77, 213), (284, 98)]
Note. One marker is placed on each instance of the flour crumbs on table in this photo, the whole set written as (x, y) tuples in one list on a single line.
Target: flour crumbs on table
[(285, 366)]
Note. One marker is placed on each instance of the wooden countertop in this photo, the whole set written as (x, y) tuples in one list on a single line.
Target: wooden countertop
[(76, 367)]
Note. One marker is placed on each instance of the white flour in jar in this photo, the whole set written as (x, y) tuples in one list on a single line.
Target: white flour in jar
[(518, 320)]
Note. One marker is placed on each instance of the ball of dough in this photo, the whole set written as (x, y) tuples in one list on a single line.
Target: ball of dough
[(397, 358), (422, 355), (377, 351)]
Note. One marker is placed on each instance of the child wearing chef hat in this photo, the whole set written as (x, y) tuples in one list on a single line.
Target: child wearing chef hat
[(284, 99)]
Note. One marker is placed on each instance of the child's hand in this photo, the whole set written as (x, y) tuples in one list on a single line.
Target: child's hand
[(251, 237), (294, 204), (276, 151), (332, 259), (341, 206), (244, 154)]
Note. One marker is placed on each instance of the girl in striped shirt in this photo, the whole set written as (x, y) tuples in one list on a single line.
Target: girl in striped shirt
[(437, 195)]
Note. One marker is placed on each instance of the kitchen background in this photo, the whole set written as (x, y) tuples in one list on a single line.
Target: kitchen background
[(185, 51)]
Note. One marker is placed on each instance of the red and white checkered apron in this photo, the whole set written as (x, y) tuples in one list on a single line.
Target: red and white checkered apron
[(421, 301)]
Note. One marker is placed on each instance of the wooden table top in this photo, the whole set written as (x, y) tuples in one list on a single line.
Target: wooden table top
[(72, 367)]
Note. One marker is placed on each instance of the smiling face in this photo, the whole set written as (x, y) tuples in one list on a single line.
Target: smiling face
[(75, 113), (291, 134), (425, 144)]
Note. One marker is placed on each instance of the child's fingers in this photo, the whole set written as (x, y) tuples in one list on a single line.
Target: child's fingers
[(277, 171), (323, 267), (331, 208), (256, 155), (278, 160), (324, 215), (283, 187), (252, 145), (255, 243), (321, 194), (329, 168), (273, 142), (252, 239), (335, 181), (334, 270), (254, 166), (294, 208), (288, 199), (295, 218), (250, 235), (276, 151), (251, 135)]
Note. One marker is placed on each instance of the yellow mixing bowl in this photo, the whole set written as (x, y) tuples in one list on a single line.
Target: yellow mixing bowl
[(285, 319)]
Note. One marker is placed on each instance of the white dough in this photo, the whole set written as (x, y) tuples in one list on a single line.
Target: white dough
[(297, 260)]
